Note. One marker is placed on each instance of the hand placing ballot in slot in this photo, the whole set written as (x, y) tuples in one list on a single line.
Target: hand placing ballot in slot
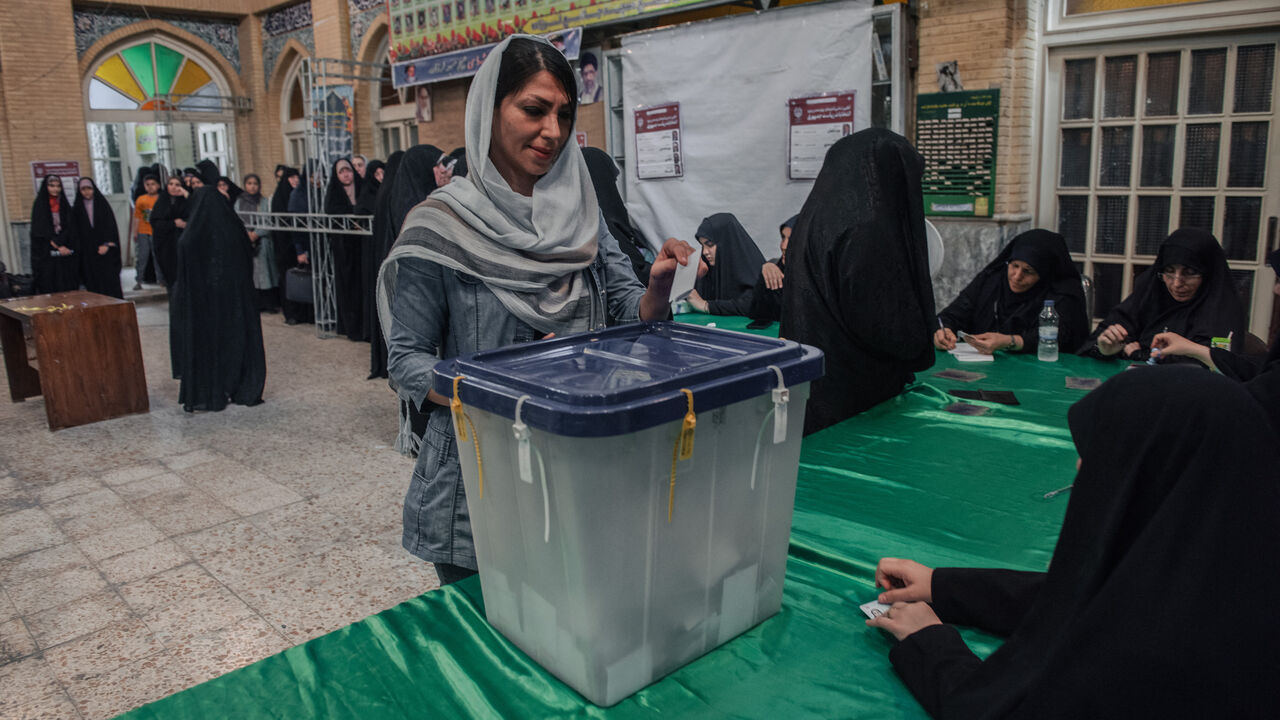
[(686, 275)]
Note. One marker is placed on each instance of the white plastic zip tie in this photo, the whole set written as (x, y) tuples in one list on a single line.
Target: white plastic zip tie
[(524, 451), (521, 431), (781, 396)]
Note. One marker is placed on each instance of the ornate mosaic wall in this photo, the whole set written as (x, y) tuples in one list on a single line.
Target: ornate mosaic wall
[(363, 13), (223, 35), (277, 27)]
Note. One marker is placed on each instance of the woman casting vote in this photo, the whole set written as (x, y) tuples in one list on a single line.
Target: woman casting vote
[(1133, 617), (1186, 291), (1001, 307), (515, 251)]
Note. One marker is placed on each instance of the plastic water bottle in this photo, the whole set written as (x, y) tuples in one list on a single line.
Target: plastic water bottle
[(1048, 350)]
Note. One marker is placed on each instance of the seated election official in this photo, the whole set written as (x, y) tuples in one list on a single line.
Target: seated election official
[(858, 284), (515, 251), (1001, 307), (1166, 515), (766, 299), (1260, 374), (734, 262), (1187, 291)]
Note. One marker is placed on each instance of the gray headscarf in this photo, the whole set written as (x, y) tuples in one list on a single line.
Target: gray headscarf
[(531, 252)]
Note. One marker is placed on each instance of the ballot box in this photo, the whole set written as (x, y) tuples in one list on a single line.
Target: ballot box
[(630, 492)]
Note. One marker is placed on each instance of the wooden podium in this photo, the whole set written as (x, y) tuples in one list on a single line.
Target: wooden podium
[(80, 350)]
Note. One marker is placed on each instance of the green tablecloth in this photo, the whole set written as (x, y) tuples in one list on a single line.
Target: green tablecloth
[(907, 478), (727, 322)]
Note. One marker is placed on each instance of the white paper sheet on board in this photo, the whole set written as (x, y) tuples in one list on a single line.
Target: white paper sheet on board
[(686, 275)]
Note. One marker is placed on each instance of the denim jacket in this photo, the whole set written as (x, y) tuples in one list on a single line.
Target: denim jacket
[(439, 313)]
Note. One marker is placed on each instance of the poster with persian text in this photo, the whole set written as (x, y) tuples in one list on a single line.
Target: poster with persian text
[(658, 142), (815, 123)]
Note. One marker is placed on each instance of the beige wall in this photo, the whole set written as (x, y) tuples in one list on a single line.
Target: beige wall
[(40, 93), (994, 43)]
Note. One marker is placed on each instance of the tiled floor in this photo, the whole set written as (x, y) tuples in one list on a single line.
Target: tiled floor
[(143, 555)]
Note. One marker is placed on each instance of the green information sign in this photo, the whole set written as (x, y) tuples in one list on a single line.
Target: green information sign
[(956, 134)]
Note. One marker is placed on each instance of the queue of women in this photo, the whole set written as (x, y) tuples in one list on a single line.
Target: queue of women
[(1176, 480)]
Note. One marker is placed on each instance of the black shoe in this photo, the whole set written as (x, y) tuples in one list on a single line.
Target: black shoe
[(290, 321)]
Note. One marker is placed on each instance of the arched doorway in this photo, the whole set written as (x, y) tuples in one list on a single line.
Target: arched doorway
[(395, 116), (153, 98), (293, 123)]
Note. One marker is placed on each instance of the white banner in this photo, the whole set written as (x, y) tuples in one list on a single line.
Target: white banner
[(732, 78)]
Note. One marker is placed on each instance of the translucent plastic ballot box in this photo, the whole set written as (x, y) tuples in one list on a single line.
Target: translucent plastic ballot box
[(630, 492)]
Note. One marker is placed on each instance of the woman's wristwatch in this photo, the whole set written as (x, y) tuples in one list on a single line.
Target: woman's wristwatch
[(1013, 343)]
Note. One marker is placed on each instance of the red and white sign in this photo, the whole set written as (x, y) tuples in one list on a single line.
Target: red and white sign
[(581, 137), (67, 170), (658, 142), (816, 123)]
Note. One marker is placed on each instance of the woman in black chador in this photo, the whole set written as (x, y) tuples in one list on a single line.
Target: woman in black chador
[(604, 178), (421, 167), (55, 259), (99, 241), (374, 251), (1187, 291), (168, 220), (766, 299), (1145, 608), (1001, 307), (215, 334), (340, 199), (735, 263), (858, 276)]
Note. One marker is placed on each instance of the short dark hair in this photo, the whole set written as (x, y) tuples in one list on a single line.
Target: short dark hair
[(525, 58), (586, 59)]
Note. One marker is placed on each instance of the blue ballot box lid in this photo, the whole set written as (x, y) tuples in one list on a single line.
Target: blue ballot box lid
[(625, 378)]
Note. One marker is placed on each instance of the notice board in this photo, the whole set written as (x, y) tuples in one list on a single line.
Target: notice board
[(956, 133)]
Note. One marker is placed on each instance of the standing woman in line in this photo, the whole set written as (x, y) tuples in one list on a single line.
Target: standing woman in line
[(340, 199), (168, 220), (374, 251), (99, 241), (419, 174), (53, 245), (514, 252), (265, 280)]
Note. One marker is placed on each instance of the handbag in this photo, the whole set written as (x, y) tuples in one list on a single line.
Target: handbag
[(297, 285)]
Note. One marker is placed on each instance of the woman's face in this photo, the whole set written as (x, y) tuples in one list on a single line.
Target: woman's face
[(224, 188), (379, 174), (194, 182), (294, 181), (174, 186), (1181, 281), (1022, 277), (786, 238), (346, 175), (708, 251), (55, 185), (359, 166), (86, 190), (530, 128), (251, 185)]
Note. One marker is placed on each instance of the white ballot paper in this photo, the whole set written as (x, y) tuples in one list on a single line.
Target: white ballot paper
[(965, 352), (686, 275)]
